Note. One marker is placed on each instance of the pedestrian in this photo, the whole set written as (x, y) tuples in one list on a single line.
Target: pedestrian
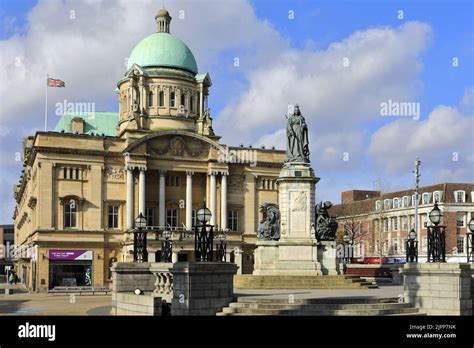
[(11, 278)]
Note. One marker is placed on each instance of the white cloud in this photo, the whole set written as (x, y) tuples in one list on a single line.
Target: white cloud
[(444, 142)]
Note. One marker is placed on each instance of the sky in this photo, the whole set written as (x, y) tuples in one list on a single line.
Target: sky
[(344, 62)]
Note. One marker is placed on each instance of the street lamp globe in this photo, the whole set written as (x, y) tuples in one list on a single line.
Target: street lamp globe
[(412, 235), (435, 215), (140, 222), (470, 225), (346, 238), (166, 234), (204, 215), (221, 236)]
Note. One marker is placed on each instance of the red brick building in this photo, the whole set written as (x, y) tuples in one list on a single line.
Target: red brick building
[(379, 222)]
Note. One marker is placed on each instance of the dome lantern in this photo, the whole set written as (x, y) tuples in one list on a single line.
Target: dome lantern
[(163, 20)]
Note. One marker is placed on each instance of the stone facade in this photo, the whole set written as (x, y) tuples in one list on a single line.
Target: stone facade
[(202, 288), (439, 288), (81, 191)]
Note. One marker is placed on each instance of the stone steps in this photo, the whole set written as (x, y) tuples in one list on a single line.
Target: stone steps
[(301, 282), (355, 306)]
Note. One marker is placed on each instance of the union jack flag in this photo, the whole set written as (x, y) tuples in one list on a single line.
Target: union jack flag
[(56, 83)]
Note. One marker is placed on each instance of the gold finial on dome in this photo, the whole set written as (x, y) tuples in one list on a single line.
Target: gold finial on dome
[(163, 20)]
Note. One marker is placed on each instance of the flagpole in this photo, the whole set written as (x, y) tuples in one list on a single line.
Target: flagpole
[(46, 106)]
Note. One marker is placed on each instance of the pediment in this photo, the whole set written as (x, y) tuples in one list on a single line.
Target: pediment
[(178, 145), (135, 70)]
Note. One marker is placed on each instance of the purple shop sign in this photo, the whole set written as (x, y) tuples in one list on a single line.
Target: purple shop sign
[(69, 255)]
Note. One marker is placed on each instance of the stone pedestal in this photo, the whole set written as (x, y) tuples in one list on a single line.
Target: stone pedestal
[(202, 288), (153, 278), (296, 251), (327, 253), (439, 288)]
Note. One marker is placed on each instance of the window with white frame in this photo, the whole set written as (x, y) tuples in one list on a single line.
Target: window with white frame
[(460, 219), (396, 203), (233, 220), (70, 214), (460, 244), (172, 99), (387, 203), (150, 216), (436, 197), (395, 224), (378, 205), (113, 220), (172, 217), (425, 198), (459, 196), (385, 225), (413, 200), (161, 97), (405, 223), (406, 201)]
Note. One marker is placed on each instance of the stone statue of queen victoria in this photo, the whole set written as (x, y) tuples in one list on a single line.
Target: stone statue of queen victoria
[(297, 144)]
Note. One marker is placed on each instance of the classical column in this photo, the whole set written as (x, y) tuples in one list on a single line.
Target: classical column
[(224, 201), (141, 191), (238, 259), (189, 200), (174, 256), (212, 197), (129, 197), (161, 198)]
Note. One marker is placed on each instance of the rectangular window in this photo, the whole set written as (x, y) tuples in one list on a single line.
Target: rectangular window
[(405, 223), (172, 217), (385, 225), (191, 103), (183, 101), (150, 216), (460, 197), (233, 220), (460, 220), (70, 212), (194, 218), (395, 224), (460, 244), (113, 216)]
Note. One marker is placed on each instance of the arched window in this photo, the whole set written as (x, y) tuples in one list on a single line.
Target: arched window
[(172, 100), (183, 101), (150, 99), (70, 214), (191, 103), (162, 98)]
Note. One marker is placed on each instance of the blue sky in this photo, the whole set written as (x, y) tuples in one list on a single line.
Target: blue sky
[(413, 55)]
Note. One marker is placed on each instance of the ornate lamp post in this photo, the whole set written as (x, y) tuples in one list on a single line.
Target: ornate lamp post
[(470, 256), (221, 247), (166, 246), (140, 253), (436, 237), (203, 236), (412, 247)]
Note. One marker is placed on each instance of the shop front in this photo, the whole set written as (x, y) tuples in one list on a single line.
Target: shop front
[(70, 268)]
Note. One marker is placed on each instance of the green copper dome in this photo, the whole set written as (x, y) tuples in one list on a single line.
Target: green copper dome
[(163, 49)]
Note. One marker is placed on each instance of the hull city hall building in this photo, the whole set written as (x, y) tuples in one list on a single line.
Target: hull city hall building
[(83, 184)]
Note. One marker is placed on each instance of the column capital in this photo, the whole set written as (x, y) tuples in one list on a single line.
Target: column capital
[(213, 172), (129, 167), (225, 173), (189, 172), (142, 168), (162, 171)]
